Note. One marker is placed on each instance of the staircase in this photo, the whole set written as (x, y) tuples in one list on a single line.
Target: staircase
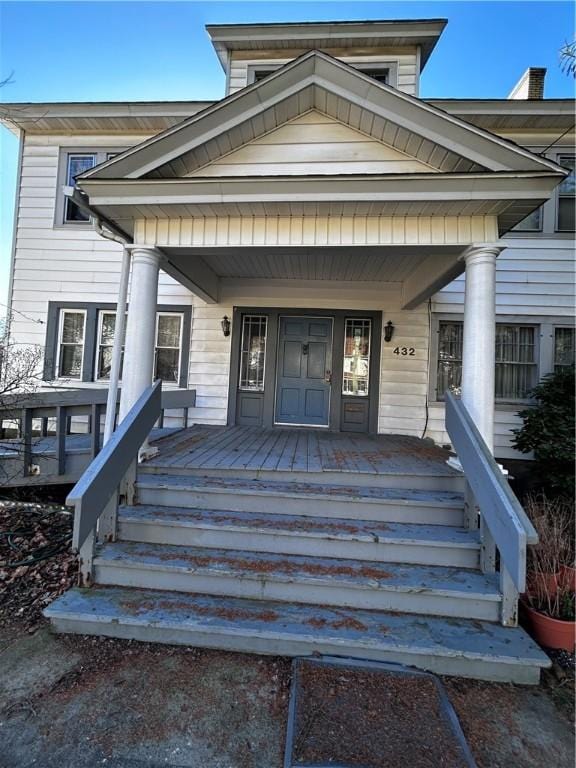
[(341, 565)]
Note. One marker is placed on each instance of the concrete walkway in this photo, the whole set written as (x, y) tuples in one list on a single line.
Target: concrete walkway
[(74, 702)]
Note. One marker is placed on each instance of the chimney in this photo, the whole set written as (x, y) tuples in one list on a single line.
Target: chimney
[(530, 85)]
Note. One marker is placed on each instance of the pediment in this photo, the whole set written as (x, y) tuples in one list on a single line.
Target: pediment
[(262, 130), (312, 144)]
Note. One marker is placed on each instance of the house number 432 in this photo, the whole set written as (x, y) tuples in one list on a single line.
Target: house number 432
[(405, 351)]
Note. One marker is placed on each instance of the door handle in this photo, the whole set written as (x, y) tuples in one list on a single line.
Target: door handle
[(328, 377), (305, 349)]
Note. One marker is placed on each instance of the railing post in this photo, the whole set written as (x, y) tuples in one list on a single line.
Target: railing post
[(471, 518), (509, 599), (128, 485), (487, 549), (86, 558), (95, 422), (61, 423), (108, 520), (26, 435)]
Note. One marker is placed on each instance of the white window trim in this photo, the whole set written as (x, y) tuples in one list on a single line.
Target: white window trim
[(558, 195), (179, 347), (63, 312)]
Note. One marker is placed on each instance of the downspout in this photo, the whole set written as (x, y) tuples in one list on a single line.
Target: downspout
[(118, 331)]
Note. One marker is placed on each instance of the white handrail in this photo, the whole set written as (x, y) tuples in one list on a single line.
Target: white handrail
[(499, 508)]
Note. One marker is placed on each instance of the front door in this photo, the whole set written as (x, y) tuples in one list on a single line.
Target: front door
[(304, 371)]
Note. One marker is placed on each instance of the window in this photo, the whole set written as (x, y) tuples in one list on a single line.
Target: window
[(76, 165), (253, 352), (106, 331), (260, 74), (380, 75), (168, 346), (516, 360), (72, 163), (356, 374), (563, 347), (71, 343), (449, 375), (566, 201), (516, 366)]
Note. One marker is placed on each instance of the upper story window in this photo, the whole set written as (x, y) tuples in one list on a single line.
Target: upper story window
[(566, 201), (74, 162), (380, 75), (532, 222)]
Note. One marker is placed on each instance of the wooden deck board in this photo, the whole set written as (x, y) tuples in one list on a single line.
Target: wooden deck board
[(299, 450)]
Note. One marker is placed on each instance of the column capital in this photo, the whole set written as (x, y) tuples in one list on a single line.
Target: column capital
[(145, 253), (480, 251)]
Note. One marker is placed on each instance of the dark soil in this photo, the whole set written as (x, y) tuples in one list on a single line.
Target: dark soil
[(356, 717), (36, 564)]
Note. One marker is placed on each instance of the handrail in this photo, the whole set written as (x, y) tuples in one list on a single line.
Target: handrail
[(93, 491), (52, 398), (500, 509)]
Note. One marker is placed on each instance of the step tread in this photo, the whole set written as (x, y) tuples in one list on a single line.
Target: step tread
[(353, 630), (297, 489), (301, 526), (439, 580)]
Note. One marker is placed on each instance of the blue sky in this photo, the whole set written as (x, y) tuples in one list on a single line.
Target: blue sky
[(108, 51)]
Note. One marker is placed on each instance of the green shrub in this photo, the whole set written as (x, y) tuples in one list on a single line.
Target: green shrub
[(548, 430)]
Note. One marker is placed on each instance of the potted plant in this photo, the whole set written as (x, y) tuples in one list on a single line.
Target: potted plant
[(548, 605)]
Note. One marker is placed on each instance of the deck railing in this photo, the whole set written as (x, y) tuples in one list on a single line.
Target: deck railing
[(491, 505), (60, 407), (109, 480)]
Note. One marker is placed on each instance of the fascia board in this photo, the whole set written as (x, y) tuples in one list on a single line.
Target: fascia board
[(426, 187)]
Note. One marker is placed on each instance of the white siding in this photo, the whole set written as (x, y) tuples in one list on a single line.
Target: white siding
[(406, 63), (65, 263)]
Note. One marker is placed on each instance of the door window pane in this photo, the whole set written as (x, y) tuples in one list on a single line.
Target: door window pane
[(77, 164), (563, 347), (71, 344), (253, 352), (356, 373), (168, 347)]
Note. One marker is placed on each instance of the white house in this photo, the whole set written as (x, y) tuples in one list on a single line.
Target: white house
[(321, 249)]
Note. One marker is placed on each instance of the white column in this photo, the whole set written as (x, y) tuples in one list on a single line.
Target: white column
[(140, 328), (478, 356)]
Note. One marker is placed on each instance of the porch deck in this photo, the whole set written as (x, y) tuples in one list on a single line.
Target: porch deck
[(307, 451)]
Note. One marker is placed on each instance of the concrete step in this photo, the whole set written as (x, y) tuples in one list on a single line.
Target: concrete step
[(430, 590), (299, 535), (450, 647), (440, 478), (387, 505)]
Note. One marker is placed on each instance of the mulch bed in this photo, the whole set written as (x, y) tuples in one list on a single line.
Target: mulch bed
[(351, 716), (36, 564)]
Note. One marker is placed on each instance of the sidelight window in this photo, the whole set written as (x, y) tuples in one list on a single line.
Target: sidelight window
[(253, 352), (357, 340), (71, 343)]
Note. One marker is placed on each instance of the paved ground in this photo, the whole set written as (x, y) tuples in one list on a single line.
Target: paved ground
[(71, 702)]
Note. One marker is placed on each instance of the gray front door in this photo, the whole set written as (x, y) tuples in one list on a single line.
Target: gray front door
[(304, 371)]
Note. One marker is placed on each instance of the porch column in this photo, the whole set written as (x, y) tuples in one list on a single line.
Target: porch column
[(478, 356), (141, 327)]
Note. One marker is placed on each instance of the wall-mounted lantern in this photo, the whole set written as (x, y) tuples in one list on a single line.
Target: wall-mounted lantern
[(225, 325), (388, 331)]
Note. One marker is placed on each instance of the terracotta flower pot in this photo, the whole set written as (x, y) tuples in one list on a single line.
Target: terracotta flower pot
[(548, 632), (567, 577)]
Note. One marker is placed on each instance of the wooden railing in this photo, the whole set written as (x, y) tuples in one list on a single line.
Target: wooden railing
[(492, 506), (60, 406), (109, 480)]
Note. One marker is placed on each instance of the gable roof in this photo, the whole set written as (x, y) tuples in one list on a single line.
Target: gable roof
[(318, 81)]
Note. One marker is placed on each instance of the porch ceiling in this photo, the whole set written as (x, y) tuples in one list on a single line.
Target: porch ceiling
[(419, 271)]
